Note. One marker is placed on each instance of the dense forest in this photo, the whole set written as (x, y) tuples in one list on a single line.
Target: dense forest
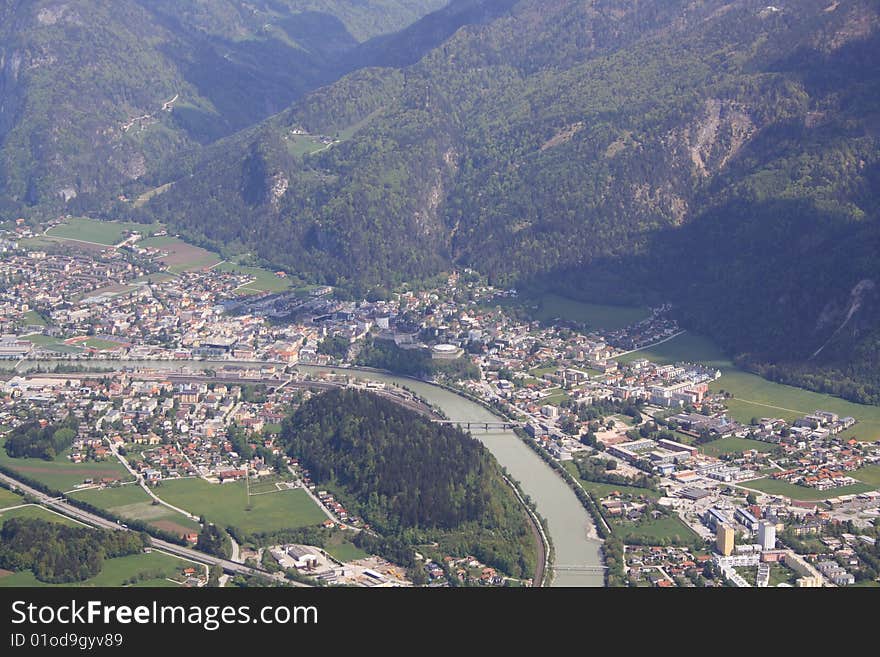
[(722, 156), (94, 94), (32, 440), (59, 554), (412, 480)]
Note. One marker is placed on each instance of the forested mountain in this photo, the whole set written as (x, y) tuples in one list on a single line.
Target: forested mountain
[(86, 86), (410, 479), (722, 155)]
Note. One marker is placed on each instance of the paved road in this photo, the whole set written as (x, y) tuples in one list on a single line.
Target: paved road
[(71, 511)]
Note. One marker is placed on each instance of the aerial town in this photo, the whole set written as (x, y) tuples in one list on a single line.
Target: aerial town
[(196, 380)]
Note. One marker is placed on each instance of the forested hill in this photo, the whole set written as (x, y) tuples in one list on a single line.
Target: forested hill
[(86, 85), (719, 155), (411, 479)]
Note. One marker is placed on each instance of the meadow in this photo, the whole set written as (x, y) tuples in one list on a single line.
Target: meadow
[(803, 493), (227, 505), (107, 233), (62, 474), (131, 501), (264, 280), (754, 396), (733, 446)]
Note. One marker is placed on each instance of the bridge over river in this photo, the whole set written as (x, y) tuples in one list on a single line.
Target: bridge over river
[(481, 424)]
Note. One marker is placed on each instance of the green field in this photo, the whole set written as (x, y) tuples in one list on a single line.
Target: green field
[(34, 511), (302, 145), (733, 446), (101, 345), (266, 281), (53, 344), (869, 474), (156, 566), (33, 318), (131, 501), (779, 487), (107, 233), (61, 474), (551, 306), (671, 529), (8, 498), (346, 552), (757, 397), (226, 504)]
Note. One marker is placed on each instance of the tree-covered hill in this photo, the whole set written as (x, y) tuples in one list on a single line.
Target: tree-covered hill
[(412, 480), (86, 85), (719, 155)]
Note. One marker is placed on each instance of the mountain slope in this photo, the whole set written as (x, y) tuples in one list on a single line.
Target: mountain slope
[(93, 93), (720, 155)]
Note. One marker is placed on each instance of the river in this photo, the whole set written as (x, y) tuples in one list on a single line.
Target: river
[(568, 522)]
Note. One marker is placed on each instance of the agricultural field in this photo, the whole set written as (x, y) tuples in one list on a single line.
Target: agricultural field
[(61, 474), (107, 233), (227, 505), (149, 569), (551, 306), (733, 446), (265, 280), (130, 501), (754, 396), (181, 255), (803, 493)]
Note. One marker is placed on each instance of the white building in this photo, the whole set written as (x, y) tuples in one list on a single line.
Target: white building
[(767, 535)]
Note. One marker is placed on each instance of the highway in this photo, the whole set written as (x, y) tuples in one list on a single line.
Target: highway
[(71, 511)]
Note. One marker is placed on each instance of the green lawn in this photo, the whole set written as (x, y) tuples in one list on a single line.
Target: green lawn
[(225, 505), (131, 501), (61, 474), (346, 552), (733, 446), (155, 567), (33, 318), (671, 529), (597, 316), (99, 232), (8, 498), (266, 281), (754, 396), (35, 511), (779, 487), (869, 474)]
